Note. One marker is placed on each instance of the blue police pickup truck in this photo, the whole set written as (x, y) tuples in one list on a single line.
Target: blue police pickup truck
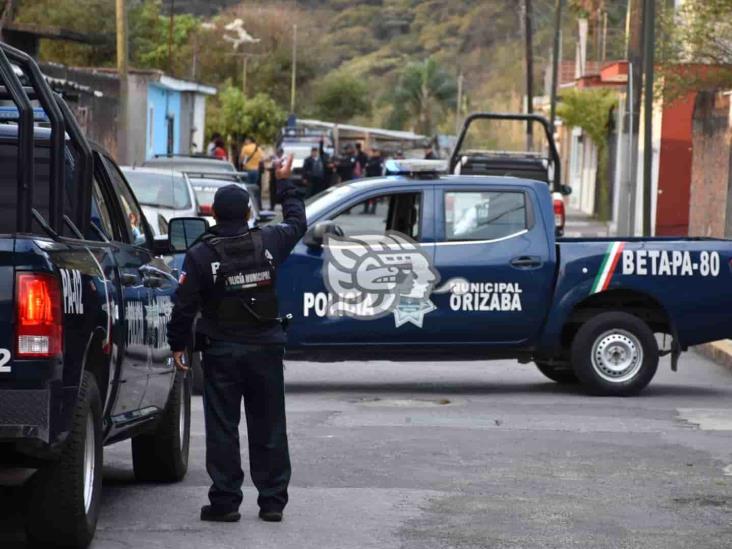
[(424, 265), (84, 306)]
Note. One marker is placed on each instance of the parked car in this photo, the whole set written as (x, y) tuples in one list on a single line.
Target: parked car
[(163, 195), (181, 163), (84, 360), (205, 188)]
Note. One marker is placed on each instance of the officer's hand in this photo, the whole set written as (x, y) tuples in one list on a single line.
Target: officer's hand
[(178, 359), (284, 170)]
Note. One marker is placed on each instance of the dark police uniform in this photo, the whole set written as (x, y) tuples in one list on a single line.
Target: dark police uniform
[(229, 276)]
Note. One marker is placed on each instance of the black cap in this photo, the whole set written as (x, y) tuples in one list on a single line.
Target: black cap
[(231, 203)]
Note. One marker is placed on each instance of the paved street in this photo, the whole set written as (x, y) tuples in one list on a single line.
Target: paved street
[(463, 454)]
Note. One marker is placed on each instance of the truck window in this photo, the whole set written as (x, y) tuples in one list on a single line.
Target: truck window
[(100, 214), (133, 218), (391, 212), (484, 215)]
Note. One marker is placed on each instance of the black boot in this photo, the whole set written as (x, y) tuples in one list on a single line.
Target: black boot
[(214, 515)]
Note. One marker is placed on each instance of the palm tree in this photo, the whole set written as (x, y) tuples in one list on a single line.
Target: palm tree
[(425, 91)]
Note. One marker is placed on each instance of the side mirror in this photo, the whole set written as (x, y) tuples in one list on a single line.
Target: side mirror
[(316, 234), (184, 231)]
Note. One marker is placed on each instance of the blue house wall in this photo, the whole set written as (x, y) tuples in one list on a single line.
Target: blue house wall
[(162, 103)]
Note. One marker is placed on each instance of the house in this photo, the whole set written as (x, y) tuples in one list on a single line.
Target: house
[(165, 115)]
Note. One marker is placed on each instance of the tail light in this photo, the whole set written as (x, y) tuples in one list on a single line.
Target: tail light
[(559, 215), (39, 329), (204, 209)]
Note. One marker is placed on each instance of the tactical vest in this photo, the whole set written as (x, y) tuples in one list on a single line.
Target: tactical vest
[(244, 290)]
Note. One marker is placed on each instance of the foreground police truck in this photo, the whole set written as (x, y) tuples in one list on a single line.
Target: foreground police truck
[(468, 266), (84, 305)]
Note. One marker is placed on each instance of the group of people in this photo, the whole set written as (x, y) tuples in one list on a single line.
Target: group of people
[(321, 170)]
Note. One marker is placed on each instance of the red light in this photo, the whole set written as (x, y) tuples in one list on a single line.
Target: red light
[(39, 327), (559, 214), (204, 209)]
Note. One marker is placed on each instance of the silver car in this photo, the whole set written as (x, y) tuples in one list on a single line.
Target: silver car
[(163, 195)]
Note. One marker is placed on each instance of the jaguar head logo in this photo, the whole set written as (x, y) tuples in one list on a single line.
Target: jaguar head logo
[(373, 275)]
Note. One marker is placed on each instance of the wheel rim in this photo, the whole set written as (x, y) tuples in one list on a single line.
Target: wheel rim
[(89, 462), (617, 356)]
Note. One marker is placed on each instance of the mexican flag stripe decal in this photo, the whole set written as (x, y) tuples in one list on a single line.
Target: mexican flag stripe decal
[(609, 263)]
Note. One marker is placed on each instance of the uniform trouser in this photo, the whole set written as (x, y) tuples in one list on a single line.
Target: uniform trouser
[(254, 372)]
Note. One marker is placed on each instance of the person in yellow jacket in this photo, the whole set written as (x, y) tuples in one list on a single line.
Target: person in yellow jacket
[(250, 158)]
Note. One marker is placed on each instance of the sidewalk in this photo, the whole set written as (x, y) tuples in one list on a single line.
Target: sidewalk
[(582, 225)]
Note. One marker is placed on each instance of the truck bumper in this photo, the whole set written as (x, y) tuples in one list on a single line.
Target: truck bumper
[(24, 414)]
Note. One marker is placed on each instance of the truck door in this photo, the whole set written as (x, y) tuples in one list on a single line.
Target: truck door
[(132, 254), (400, 212), (496, 267)]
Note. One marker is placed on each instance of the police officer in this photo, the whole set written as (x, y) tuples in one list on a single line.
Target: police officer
[(229, 277)]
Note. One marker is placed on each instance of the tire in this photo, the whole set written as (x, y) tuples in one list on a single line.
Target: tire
[(559, 373), (162, 455), (614, 354), (195, 360), (65, 496)]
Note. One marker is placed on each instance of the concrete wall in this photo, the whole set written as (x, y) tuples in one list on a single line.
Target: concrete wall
[(94, 99), (709, 204)]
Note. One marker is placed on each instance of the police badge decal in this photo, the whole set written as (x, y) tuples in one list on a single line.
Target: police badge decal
[(373, 275)]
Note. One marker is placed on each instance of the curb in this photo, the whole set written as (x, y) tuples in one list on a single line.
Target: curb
[(718, 351)]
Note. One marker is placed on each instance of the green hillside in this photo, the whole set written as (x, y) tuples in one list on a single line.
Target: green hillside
[(350, 51)]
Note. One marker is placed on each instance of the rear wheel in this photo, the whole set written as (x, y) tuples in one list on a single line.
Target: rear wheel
[(615, 354), (162, 455), (561, 373), (65, 496)]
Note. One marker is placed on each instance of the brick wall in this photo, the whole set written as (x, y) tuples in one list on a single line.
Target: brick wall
[(709, 205)]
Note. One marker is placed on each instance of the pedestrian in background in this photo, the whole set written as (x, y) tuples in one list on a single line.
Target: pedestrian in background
[(346, 163), (211, 147), (359, 168), (243, 343), (249, 159), (220, 149), (313, 170)]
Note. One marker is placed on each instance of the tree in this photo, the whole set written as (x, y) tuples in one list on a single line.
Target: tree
[(424, 93), (149, 30), (235, 115), (699, 31), (340, 97), (590, 110)]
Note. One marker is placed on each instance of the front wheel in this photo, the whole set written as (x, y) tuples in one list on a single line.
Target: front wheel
[(162, 455), (614, 354)]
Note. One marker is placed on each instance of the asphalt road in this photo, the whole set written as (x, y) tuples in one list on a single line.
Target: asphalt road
[(464, 455)]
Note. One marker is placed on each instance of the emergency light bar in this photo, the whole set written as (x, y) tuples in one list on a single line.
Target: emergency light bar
[(414, 167)]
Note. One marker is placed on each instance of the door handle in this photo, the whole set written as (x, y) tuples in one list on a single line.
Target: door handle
[(526, 262)]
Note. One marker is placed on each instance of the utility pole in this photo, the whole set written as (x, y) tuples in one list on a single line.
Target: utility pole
[(649, 35), (555, 62), (529, 74), (635, 43), (123, 154), (171, 24), (459, 109), (294, 69)]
